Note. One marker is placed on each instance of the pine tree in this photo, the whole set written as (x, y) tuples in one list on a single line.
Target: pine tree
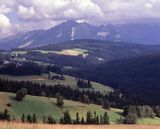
[(77, 119), (94, 121), (44, 120), (29, 118), (34, 118), (61, 121), (97, 120), (60, 102), (23, 118), (6, 115), (67, 118), (101, 119), (89, 118), (105, 118), (82, 121)]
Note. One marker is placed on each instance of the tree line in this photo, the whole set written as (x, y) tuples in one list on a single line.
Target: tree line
[(21, 69), (137, 78), (91, 118), (114, 99), (132, 113)]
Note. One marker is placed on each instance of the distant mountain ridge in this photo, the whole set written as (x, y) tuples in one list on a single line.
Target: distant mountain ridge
[(71, 30)]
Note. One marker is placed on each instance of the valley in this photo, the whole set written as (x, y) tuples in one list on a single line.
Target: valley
[(79, 64)]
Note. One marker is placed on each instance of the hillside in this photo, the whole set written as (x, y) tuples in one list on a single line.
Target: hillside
[(69, 81), (137, 78), (47, 106), (83, 53)]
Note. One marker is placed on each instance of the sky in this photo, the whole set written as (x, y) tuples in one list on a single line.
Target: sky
[(24, 15)]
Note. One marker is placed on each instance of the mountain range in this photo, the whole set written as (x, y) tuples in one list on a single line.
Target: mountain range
[(71, 30)]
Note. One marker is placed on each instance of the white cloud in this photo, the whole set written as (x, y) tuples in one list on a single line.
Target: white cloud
[(60, 9), (5, 26), (34, 14), (4, 9), (27, 13), (129, 10)]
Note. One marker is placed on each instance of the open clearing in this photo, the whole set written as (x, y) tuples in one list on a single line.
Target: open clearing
[(68, 52), (4, 125)]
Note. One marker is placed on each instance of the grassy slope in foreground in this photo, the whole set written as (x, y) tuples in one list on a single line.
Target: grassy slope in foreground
[(69, 80), (5, 125), (44, 106), (146, 121)]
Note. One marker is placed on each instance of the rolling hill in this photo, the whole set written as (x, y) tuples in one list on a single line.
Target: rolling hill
[(83, 53), (47, 106), (137, 78), (69, 81)]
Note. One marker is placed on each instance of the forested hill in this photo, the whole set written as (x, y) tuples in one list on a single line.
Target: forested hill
[(137, 77)]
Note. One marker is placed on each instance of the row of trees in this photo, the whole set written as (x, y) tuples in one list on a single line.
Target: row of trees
[(20, 69), (29, 118), (131, 113), (91, 118), (66, 92), (81, 83)]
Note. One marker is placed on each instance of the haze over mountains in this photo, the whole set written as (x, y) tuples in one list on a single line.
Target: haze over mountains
[(71, 30)]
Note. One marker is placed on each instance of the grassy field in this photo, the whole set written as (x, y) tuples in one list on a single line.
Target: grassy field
[(47, 106), (69, 80), (70, 52), (4, 125), (146, 121)]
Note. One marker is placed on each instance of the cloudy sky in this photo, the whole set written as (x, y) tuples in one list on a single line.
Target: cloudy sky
[(23, 15)]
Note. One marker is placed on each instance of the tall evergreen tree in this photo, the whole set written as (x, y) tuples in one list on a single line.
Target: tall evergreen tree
[(29, 118), (77, 119), (105, 118), (34, 118), (89, 118), (23, 118), (67, 118)]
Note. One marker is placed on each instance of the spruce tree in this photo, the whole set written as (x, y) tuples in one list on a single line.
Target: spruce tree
[(44, 120), (29, 118), (67, 118), (105, 118), (89, 118), (34, 118), (23, 118), (6, 115), (77, 119), (61, 121), (82, 121), (97, 120)]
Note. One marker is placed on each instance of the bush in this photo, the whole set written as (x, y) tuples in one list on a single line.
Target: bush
[(8, 105), (21, 94), (60, 102), (130, 119)]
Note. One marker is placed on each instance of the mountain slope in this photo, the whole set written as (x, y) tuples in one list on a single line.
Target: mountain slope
[(136, 77), (71, 30), (83, 53)]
